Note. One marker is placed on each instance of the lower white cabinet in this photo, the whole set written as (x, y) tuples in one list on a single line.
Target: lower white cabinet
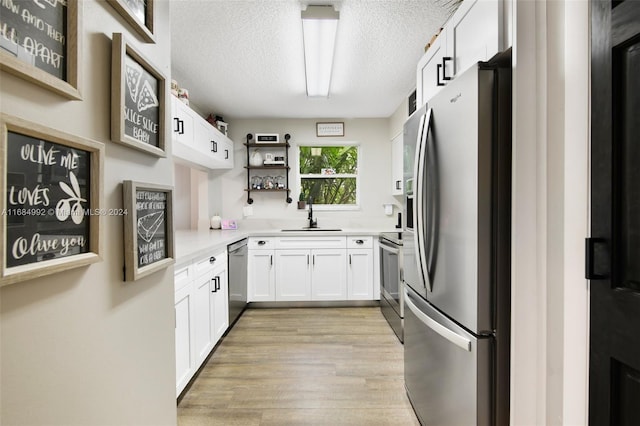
[(328, 274), (219, 296), (311, 268), (261, 276), (360, 277), (201, 313), (185, 360), (293, 279)]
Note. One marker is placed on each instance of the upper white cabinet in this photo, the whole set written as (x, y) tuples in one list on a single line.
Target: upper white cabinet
[(430, 73), (197, 142), (397, 150), (474, 33)]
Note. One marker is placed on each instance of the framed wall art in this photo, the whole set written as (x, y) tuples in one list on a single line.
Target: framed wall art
[(148, 228), (52, 186), (40, 43), (330, 129), (138, 100), (139, 14)]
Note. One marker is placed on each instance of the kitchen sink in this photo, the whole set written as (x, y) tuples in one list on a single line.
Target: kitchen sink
[(311, 229)]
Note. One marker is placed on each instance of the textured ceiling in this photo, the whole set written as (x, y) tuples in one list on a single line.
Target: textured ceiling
[(244, 58)]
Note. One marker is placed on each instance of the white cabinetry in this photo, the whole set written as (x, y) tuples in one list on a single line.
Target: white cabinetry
[(474, 33), (202, 320), (196, 142), (201, 312), (360, 271), (311, 268), (315, 268), (430, 70), (293, 279), (261, 276), (184, 330), (328, 275), (397, 150), (219, 297)]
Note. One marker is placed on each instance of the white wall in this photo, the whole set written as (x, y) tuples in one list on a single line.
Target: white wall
[(550, 208), (226, 189), (83, 347)]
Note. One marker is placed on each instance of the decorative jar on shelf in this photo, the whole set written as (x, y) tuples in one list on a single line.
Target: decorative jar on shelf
[(269, 182), (255, 158), (256, 182)]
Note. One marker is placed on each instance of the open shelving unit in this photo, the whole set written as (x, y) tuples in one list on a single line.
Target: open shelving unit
[(260, 169)]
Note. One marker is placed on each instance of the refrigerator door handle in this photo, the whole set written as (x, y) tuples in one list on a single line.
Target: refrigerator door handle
[(458, 340), (420, 225), (416, 194)]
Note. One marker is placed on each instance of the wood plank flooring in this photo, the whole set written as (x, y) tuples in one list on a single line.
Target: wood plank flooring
[(302, 366)]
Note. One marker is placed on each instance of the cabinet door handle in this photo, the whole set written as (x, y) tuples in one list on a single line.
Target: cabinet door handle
[(349, 259), (444, 67), (177, 121), (360, 242), (398, 184), (438, 68), (214, 146), (271, 260), (214, 285), (212, 259), (217, 283), (314, 260), (261, 243), (181, 127), (307, 260), (226, 154)]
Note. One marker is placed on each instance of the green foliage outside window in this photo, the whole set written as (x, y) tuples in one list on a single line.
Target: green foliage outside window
[(328, 174)]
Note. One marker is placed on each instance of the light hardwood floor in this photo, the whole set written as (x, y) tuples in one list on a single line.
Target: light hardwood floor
[(302, 366)]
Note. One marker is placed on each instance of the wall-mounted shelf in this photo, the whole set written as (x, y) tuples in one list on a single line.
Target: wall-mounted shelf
[(260, 170)]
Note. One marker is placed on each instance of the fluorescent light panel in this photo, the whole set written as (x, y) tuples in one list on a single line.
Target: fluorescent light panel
[(319, 27)]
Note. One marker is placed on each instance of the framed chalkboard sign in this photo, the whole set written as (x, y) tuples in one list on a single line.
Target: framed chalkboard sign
[(39, 41), (138, 100), (148, 228), (139, 14), (51, 203)]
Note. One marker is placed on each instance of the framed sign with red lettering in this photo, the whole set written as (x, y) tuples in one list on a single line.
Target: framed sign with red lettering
[(51, 208), (148, 228), (40, 42), (138, 100), (139, 14)]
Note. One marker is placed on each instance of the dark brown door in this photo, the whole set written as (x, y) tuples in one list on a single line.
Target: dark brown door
[(613, 252)]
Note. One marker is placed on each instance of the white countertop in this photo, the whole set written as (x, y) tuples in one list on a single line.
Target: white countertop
[(192, 244)]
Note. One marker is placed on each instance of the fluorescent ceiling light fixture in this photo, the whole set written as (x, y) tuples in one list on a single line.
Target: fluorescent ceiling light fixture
[(319, 26)]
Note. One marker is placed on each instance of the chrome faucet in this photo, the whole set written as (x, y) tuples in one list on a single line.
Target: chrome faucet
[(313, 223)]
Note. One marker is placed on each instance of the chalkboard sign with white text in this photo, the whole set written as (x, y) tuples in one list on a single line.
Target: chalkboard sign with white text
[(47, 200), (151, 226), (35, 32), (142, 108)]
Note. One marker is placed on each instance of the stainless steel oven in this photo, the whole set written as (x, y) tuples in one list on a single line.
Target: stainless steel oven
[(391, 289)]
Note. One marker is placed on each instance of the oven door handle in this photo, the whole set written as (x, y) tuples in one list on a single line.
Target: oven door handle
[(389, 248)]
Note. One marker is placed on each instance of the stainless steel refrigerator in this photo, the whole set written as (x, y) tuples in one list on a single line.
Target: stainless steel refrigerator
[(457, 250)]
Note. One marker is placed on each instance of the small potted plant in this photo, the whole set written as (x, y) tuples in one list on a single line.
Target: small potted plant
[(302, 204)]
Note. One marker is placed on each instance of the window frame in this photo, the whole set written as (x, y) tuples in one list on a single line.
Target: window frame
[(322, 144)]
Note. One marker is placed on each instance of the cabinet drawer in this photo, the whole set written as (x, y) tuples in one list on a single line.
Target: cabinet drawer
[(261, 243), (359, 241), (182, 277), (206, 264), (311, 242)]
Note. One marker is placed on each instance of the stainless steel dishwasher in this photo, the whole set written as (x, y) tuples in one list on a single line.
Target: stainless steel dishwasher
[(238, 256)]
